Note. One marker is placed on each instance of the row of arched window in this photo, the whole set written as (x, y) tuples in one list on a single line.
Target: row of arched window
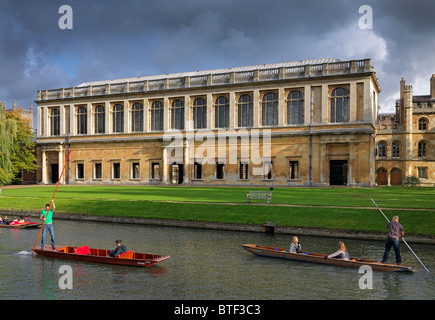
[(339, 112), (422, 148)]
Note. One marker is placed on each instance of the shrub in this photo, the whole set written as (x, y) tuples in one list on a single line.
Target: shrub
[(411, 181)]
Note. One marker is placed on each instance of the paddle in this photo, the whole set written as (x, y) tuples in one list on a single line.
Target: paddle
[(52, 199), (402, 237)]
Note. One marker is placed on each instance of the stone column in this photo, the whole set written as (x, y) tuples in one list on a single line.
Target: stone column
[(281, 108), (232, 116), (60, 165), (256, 108), (44, 167), (164, 165), (209, 111)]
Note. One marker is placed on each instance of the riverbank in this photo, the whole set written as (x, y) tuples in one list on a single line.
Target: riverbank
[(259, 228), (336, 212)]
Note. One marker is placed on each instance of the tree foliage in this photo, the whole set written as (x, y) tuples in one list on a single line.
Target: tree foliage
[(16, 147)]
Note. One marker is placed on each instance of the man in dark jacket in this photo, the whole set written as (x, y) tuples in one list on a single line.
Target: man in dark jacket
[(395, 232), (120, 248)]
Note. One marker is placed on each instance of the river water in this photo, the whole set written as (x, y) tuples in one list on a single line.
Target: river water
[(204, 264)]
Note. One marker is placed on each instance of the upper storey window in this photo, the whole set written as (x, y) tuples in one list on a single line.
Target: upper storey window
[(269, 110), (221, 112), (156, 116), (382, 149), (99, 119), (82, 120), (422, 149), (200, 113), (54, 122), (137, 117), (118, 118), (422, 124), (177, 115), (340, 105), (295, 107), (245, 111)]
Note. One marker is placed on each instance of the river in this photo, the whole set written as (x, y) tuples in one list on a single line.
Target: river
[(204, 264)]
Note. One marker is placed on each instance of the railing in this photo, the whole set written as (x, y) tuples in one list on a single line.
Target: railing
[(309, 70)]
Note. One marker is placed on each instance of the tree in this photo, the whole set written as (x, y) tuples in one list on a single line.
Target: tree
[(16, 147), (8, 132)]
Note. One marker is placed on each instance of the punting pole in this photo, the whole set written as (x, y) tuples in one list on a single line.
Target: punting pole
[(52, 199), (402, 238)]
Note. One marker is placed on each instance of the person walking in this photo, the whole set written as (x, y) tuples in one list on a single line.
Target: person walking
[(48, 225), (395, 232)]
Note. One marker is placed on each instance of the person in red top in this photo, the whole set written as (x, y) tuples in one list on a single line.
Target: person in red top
[(395, 232)]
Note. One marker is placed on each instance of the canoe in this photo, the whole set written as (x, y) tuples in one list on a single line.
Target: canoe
[(85, 253), (321, 258), (21, 225)]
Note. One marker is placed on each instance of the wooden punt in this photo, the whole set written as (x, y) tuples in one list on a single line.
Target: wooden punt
[(321, 258), (21, 225), (85, 253)]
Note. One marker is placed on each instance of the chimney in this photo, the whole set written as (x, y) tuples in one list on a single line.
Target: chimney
[(432, 86)]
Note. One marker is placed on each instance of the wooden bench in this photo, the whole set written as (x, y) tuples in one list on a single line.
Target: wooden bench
[(256, 195)]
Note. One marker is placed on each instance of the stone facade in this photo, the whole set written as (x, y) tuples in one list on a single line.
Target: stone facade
[(405, 140), (306, 123)]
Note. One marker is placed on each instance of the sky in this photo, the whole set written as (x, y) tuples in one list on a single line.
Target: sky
[(131, 38)]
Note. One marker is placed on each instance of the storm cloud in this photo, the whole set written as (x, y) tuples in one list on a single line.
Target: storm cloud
[(119, 39)]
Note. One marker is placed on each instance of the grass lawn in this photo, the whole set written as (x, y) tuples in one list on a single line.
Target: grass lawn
[(209, 204)]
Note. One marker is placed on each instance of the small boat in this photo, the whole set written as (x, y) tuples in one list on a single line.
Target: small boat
[(21, 225), (85, 253), (321, 258)]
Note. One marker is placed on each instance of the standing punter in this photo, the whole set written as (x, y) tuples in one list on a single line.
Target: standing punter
[(48, 217), (395, 232)]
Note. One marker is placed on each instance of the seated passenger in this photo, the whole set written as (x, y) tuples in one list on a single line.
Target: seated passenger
[(5, 220), (2, 221), (21, 220), (120, 248), (295, 247), (13, 222), (341, 253)]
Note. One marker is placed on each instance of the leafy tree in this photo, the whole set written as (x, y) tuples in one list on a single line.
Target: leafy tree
[(8, 132), (16, 147)]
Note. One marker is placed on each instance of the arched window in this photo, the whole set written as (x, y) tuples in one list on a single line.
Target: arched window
[(200, 113), (382, 149), (221, 112), (245, 111), (156, 116), (82, 120), (177, 115), (295, 107), (118, 118), (99, 119), (137, 117), (422, 149), (396, 149), (340, 105), (422, 124), (269, 110), (54, 122)]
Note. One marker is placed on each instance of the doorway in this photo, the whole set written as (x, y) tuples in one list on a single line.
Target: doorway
[(338, 172), (396, 177), (177, 173), (54, 173)]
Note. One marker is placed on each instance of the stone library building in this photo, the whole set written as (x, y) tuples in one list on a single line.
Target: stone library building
[(303, 123)]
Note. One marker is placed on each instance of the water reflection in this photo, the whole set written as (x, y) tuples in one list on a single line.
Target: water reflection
[(204, 264)]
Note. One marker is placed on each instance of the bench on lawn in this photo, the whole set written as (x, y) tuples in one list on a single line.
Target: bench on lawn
[(256, 195)]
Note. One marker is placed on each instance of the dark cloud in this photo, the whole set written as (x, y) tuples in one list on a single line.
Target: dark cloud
[(117, 39)]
